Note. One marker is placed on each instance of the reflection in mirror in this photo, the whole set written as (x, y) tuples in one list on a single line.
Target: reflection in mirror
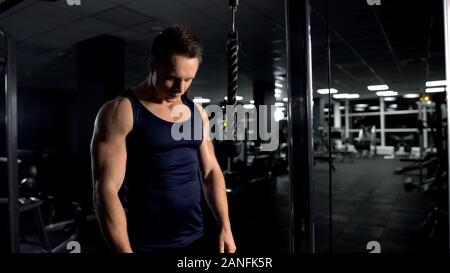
[(388, 126)]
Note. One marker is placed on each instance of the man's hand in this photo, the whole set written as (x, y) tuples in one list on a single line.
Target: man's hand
[(226, 242)]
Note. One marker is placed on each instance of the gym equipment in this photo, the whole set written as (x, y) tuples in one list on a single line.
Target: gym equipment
[(402, 144), (229, 149), (365, 142), (11, 135), (29, 200), (68, 229), (435, 184)]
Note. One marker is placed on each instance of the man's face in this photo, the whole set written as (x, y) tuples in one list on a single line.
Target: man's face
[(173, 77)]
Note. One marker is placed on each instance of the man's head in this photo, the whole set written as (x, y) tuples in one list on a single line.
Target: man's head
[(175, 57), (176, 39)]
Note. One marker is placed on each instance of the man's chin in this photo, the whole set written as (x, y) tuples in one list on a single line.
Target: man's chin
[(172, 97)]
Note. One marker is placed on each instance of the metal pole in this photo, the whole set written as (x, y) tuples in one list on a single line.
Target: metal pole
[(447, 76), (337, 115), (382, 123), (298, 45), (11, 140), (347, 120)]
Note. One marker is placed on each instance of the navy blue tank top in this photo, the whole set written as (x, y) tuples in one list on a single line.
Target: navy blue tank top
[(163, 181)]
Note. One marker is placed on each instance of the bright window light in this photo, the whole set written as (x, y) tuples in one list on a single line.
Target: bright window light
[(252, 101), (277, 84), (374, 108), (277, 90), (249, 106), (279, 104), (285, 99), (361, 105)]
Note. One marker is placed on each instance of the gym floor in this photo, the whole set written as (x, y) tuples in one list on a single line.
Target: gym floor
[(369, 203)]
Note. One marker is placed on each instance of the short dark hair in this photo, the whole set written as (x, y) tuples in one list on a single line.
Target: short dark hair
[(176, 39)]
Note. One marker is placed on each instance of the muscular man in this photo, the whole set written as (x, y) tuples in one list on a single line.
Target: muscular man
[(165, 178)]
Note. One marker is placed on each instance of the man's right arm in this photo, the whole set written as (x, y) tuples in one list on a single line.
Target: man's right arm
[(108, 158)]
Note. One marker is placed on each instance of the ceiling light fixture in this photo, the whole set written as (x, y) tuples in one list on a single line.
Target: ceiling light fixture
[(435, 83), (386, 93), (378, 87)]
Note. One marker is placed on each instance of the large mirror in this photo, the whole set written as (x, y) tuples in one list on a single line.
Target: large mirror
[(387, 126)]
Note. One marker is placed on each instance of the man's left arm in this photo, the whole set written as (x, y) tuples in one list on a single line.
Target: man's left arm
[(215, 189)]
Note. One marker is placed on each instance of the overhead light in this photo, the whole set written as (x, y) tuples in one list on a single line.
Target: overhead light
[(252, 101), (386, 93), (435, 89), (249, 106), (277, 84), (374, 108), (278, 115), (390, 99), (361, 105), (359, 109), (346, 96), (411, 96), (280, 78), (327, 91), (352, 96), (285, 99), (435, 83), (340, 96), (378, 87), (279, 104), (237, 98), (393, 106), (341, 107), (277, 95), (201, 100), (277, 90)]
